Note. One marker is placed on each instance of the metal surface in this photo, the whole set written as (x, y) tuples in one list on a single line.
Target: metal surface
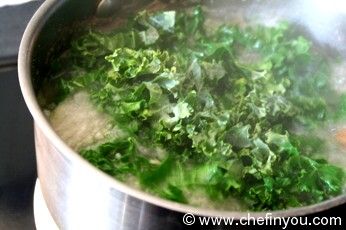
[(81, 197), (107, 7), (43, 218)]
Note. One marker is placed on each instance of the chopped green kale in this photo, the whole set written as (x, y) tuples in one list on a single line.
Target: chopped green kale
[(224, 120)]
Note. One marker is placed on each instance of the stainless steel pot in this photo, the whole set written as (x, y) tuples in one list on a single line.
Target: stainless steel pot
[(80, 196)]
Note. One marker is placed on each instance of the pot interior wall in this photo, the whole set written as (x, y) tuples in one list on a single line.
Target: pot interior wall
[(54, 32)]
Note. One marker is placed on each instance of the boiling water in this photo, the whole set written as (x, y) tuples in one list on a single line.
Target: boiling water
[(78, 122)]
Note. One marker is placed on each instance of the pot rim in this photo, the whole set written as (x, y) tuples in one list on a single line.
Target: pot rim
[(24, 72)]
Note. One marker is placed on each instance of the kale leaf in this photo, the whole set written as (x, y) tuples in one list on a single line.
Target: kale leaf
[(221, 106)]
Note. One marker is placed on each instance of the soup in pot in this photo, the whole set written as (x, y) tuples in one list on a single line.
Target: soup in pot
[(203, 112)]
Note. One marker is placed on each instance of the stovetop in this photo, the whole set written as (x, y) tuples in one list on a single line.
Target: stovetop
[(17, 155), (17, 158)]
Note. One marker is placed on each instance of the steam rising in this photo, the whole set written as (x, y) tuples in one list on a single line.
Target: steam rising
[(324, 21)]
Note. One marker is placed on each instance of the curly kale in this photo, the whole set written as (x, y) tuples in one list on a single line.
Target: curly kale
[(224, 122)]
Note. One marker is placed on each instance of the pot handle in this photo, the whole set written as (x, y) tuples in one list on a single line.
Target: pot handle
[(107, 8)]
